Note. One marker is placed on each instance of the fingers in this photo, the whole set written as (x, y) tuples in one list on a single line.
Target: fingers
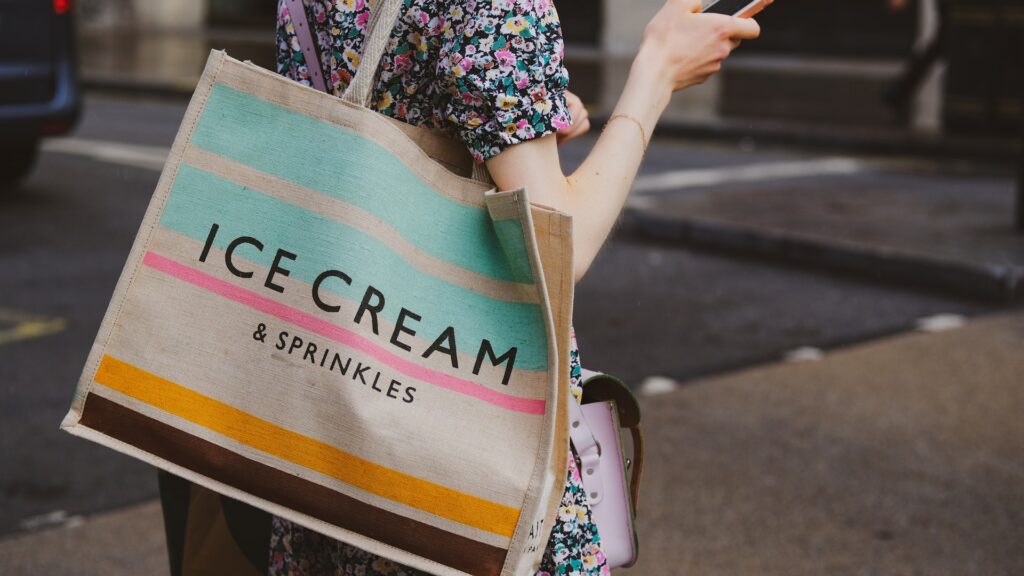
[(580, 126), (579, 130), (563, 136), (582, 129), (733, 26), (745, 29), (583, 118), (575, 104), (580, 119), (577, 111)]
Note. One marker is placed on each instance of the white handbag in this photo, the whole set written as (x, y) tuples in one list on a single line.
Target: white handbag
[(610, 477)]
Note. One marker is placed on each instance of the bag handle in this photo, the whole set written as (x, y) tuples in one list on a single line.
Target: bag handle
[(383, 14)]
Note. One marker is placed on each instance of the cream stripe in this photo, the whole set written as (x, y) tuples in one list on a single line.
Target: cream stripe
[(361, 220), (300, 471)]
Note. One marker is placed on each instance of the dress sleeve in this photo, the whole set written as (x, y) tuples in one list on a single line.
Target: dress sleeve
[(500, 65)]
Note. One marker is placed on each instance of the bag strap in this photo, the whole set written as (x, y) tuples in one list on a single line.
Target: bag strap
[(383, 14), (588, 450)]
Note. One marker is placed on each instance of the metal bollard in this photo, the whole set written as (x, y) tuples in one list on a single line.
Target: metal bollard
[(1020, 182), (1020, 190)]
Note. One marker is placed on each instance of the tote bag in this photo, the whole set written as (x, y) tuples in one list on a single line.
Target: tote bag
[(319, 317)]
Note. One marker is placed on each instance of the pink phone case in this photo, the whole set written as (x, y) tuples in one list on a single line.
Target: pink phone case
[(754, 9)]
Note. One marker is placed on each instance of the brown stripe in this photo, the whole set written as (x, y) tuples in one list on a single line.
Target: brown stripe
[(290, 491)]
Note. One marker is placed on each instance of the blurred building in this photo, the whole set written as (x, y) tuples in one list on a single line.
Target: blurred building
[(817, 63)]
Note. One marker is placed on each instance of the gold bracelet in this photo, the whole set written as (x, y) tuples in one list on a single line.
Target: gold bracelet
[(643, 133)]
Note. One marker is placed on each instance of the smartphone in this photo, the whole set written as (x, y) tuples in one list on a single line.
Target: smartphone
[(740, 8)]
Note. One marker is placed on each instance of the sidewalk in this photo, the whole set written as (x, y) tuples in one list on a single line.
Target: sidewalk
[(901, 456), (126, 542), (880, 220)]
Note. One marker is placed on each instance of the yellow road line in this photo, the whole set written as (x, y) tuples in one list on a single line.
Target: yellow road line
[(27, 326)]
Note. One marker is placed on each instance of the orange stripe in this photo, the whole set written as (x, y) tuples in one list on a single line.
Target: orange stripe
[(305, 451)]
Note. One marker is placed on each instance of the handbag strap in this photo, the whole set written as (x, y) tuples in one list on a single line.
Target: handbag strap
[(588, 450), (383, 14), (302, 31)]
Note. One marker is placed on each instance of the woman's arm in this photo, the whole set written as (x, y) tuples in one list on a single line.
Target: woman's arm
[(680, 48)]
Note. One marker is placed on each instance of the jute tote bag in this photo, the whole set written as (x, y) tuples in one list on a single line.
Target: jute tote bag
[(322, 320)]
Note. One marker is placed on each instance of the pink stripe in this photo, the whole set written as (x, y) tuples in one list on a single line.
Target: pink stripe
[(338, 334)]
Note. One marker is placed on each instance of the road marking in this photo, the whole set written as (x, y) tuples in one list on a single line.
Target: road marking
[(134, 155), (51, 519), (154, 158), (804, 354), (655, 258), (699, 177), (657, 385), (17, 326), (941, 323)]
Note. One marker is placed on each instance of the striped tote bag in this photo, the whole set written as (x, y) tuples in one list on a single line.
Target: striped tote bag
[(321, 317)]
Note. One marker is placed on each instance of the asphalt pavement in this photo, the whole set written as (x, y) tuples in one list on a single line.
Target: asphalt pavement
[(646, 309), (895, 457)]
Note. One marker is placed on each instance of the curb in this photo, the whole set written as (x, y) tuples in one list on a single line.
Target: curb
[(993, 150), (851, 140), (999, 284), (176, 88)]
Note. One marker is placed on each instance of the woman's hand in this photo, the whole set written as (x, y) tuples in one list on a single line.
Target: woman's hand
[(684, 47), (580, 119)]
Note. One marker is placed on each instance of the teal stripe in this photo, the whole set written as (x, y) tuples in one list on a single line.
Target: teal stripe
[(359, 171), (510, 235), (198, 199)]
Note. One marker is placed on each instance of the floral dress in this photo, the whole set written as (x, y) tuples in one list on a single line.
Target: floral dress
[(487, 71), (490, 73)]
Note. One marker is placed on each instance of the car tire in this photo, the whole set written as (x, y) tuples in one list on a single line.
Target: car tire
[(16, 161)]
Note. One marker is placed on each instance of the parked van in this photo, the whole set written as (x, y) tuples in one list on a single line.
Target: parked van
[(39, 93)]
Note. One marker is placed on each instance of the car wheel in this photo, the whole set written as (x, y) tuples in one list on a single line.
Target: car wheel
[(16, 161)]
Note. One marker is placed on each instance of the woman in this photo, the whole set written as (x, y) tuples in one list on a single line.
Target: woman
[(900, 93), (490, 72)]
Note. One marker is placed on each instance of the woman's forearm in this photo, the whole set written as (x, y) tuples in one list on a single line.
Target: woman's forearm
[(681, 47), (597, 190)]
